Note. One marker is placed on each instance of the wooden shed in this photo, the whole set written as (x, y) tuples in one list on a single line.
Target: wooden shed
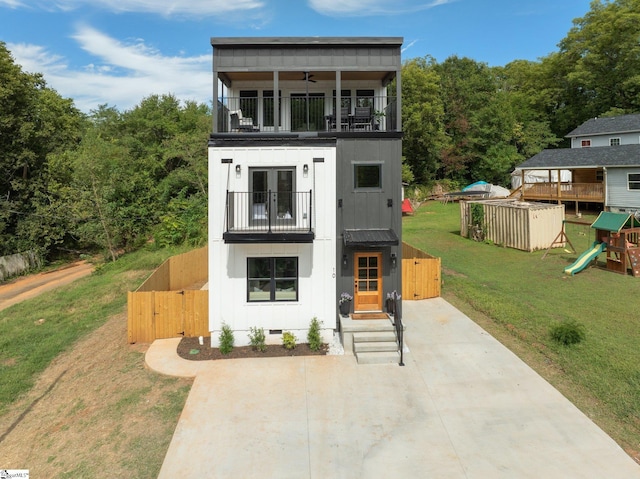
[(512, 223)]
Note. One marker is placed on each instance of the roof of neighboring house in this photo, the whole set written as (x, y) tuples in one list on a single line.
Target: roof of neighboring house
[(574, 158), (604, 126)]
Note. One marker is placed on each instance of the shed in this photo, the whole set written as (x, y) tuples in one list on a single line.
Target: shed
[(512, 223)]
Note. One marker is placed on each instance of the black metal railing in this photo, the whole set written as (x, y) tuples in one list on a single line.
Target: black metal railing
[(397, 322), (302, 113), (269, 211)]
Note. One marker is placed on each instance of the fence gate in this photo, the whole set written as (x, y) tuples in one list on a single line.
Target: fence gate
[(420, 278)]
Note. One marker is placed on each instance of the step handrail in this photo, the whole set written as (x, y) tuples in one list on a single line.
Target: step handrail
[(397, 322)]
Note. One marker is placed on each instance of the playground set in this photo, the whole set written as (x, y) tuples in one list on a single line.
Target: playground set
[(617, 235)]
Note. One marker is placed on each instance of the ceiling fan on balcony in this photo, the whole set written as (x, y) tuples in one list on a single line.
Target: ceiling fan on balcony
[(308, 77)]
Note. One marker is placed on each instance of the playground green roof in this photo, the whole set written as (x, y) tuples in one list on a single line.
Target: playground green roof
[(609, 221)]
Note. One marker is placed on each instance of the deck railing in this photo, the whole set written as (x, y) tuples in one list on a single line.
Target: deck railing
[(565, 191), (300, 114), (269, 212)]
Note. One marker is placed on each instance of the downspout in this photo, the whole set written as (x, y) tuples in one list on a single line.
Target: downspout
[(605, 191)]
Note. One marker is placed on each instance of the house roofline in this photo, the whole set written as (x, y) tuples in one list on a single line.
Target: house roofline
[(321, 42)]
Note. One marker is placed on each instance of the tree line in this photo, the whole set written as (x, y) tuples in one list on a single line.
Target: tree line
[(111, 180)]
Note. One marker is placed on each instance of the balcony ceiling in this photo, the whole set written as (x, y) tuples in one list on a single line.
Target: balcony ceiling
[(314, 75)]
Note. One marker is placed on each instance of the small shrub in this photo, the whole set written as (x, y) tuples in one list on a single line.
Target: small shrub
[(257, 338), (568, 332), (226, 339), (288, 340), (313, 336)]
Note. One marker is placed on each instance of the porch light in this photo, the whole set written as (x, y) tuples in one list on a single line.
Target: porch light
[(344, 259), (238, 169), (394, 260), (305, 170)]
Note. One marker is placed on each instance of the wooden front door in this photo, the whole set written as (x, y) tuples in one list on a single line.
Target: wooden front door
[(367, 282)]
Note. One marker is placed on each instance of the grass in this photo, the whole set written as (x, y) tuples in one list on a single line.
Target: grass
[(520, 298), (37, 331)]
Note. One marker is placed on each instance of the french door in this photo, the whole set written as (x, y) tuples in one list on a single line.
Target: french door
[(272, 191)]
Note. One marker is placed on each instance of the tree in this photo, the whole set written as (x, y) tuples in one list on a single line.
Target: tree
[(422, 118)]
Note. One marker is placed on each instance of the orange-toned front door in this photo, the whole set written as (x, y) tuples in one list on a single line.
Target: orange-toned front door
[(367, 282)]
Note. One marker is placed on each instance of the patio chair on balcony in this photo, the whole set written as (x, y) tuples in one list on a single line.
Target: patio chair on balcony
[(344, 119), (240, 123), (362, 118)]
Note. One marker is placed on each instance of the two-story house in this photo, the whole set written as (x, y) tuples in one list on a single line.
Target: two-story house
[(604, 161), (304, 181)]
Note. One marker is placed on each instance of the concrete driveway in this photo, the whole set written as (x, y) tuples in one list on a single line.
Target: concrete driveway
[(463, 407)]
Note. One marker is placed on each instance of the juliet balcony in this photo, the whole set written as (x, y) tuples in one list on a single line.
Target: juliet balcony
[(269, 217)]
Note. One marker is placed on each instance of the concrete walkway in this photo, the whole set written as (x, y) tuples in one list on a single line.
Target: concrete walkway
[(463, 407)]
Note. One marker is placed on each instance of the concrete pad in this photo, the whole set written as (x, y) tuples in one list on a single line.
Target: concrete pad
[(463, 406)]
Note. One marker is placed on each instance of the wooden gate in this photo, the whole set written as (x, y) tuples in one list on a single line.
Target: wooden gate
[(167, 314), (421, 274), (162, 308)]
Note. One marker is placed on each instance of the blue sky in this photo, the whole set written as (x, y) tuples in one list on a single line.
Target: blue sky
[(117, 52)]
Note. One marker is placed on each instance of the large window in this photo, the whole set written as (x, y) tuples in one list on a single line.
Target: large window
[(633, 181), (367, 176), (268, 106), (272, 279)]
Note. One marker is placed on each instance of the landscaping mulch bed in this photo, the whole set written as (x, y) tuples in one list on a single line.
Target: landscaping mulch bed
[(190, 348)]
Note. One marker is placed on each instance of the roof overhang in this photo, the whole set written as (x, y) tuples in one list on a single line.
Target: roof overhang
[(370, 238)]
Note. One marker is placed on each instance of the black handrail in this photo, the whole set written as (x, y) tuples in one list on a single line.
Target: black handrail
[(397, 322)]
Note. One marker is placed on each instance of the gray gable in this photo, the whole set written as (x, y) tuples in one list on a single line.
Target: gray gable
[(604, 126), (568, 158)]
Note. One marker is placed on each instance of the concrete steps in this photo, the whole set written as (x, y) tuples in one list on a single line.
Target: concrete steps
[(371, 341)]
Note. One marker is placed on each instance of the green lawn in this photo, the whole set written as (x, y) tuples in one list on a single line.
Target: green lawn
[(519, 296)]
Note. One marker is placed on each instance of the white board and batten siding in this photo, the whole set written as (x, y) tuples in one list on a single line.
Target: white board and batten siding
[(228, 303), (516, 224)]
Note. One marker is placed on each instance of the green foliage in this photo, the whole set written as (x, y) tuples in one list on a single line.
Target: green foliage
[(313, 336), (568, 332), (257, 339), (226, 339), (289, 340)]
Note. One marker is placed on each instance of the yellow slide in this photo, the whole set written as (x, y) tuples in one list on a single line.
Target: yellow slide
[(585, 258)]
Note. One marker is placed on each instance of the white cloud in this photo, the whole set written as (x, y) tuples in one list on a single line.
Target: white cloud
[(120, 74), (161, 7), (372, 7)]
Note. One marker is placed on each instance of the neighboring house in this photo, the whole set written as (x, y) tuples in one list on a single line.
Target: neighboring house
[(604, 162), (305, 184)]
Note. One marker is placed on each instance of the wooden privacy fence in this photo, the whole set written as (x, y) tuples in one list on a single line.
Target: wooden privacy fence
[(421, 274), (162, 308)]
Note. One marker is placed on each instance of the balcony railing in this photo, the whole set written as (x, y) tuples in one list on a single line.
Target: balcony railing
[(588, 192), (269, 216), (313, 113)]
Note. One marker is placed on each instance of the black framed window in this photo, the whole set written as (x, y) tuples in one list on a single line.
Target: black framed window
[(268, 106), (272, 279), (249, 104), (364, 98), (367, 175), (633, 181)]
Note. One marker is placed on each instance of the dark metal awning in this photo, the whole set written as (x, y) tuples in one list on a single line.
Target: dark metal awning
[(370, 238)]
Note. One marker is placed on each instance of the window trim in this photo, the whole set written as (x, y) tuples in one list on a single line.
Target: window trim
[(273, 279), (635, 181), (585, 143), (611, 141), (355, 176)]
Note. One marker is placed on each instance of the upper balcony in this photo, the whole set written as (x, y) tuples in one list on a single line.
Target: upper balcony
[(255, 112), (302, 85)]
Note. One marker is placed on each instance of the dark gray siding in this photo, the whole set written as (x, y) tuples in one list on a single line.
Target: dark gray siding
[(369, 209)]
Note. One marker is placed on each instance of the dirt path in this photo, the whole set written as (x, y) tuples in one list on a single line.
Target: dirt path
[(30, 286)]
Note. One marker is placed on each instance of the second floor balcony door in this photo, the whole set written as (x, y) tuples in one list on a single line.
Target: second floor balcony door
[(272, 192), (307, 112)]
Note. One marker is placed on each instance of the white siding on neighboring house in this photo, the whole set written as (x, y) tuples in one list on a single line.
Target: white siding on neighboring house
[(619, 196), (605, 140), (316, 261)]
